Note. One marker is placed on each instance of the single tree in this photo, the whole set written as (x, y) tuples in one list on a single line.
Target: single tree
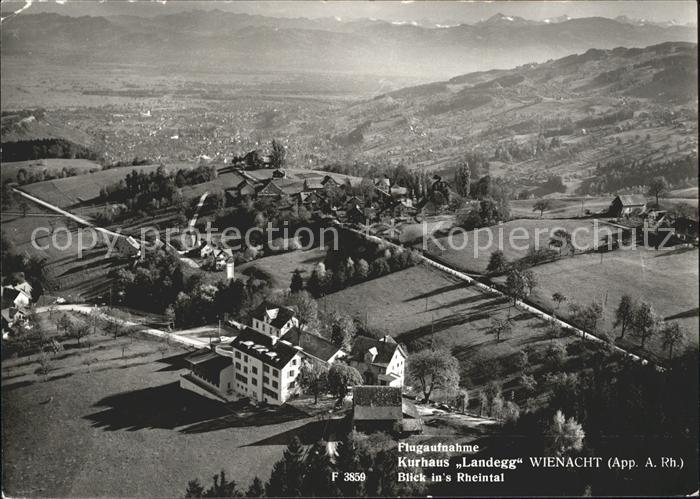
[(288, 473), (63, 323), (306, 309), (624, 314), (500, 327), (672, 336), (313, 379), (45, 364), (317, 480), (313, 285), (340, 378), (256, 489), (587, 317), (278, 154), (361, 269), (558, 298), (431, 369), (222, 487), (644, 322), (497, 262), (657, 187), (297, 282), (541, 205), (462, 179), (194, 489), (342, 330), (563, 436), (561, 239), (519, 284), (80, 331)]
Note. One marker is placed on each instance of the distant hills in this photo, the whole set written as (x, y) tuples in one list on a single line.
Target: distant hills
[(230, 41), (563, 117)]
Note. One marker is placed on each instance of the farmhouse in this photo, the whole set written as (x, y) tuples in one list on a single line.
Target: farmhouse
[(16, 296), (627, 205), (383, 408), (380, 362)]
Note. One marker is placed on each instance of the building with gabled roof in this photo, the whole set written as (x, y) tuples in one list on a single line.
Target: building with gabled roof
[(315, 348), (626, 205), (273, 320), (379, 361), (383, 408)]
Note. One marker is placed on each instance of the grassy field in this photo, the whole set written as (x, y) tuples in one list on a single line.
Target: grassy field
[(568, 207), (66, 192), (68, 275), (87, 427), (8, 170), (668, 279), (422, 306), (282, 266), (473, 253)]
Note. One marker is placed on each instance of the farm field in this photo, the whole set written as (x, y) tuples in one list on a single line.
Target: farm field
[(282, 266), (94, 424), (668, 279), (565, 207), (66, 192), (577, 206), (8, 170), (71, 277), (473, 253), (421, 305)]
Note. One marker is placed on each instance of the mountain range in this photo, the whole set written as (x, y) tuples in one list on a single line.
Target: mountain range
[(232, 42)]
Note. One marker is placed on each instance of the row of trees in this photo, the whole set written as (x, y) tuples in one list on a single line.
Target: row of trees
[(139, 189), (644, 323)]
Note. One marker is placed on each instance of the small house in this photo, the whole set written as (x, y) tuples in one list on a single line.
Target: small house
[(379, 361), (627, 205), (12, 296), (273, 320)]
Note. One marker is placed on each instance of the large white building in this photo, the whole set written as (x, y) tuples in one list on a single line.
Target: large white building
[(258, 365)]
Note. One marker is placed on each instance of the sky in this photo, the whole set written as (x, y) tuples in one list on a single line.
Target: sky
[(436, 11)]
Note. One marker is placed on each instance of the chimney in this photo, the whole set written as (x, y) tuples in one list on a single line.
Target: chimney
[(230, 270), (273, 340)]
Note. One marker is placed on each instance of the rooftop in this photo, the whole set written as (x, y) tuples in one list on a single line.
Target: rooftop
[(377, 402), (264, 348), (314, 345)]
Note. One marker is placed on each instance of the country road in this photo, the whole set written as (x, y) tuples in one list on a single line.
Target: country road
[(65, 213), (492, 290), (86, 309)]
